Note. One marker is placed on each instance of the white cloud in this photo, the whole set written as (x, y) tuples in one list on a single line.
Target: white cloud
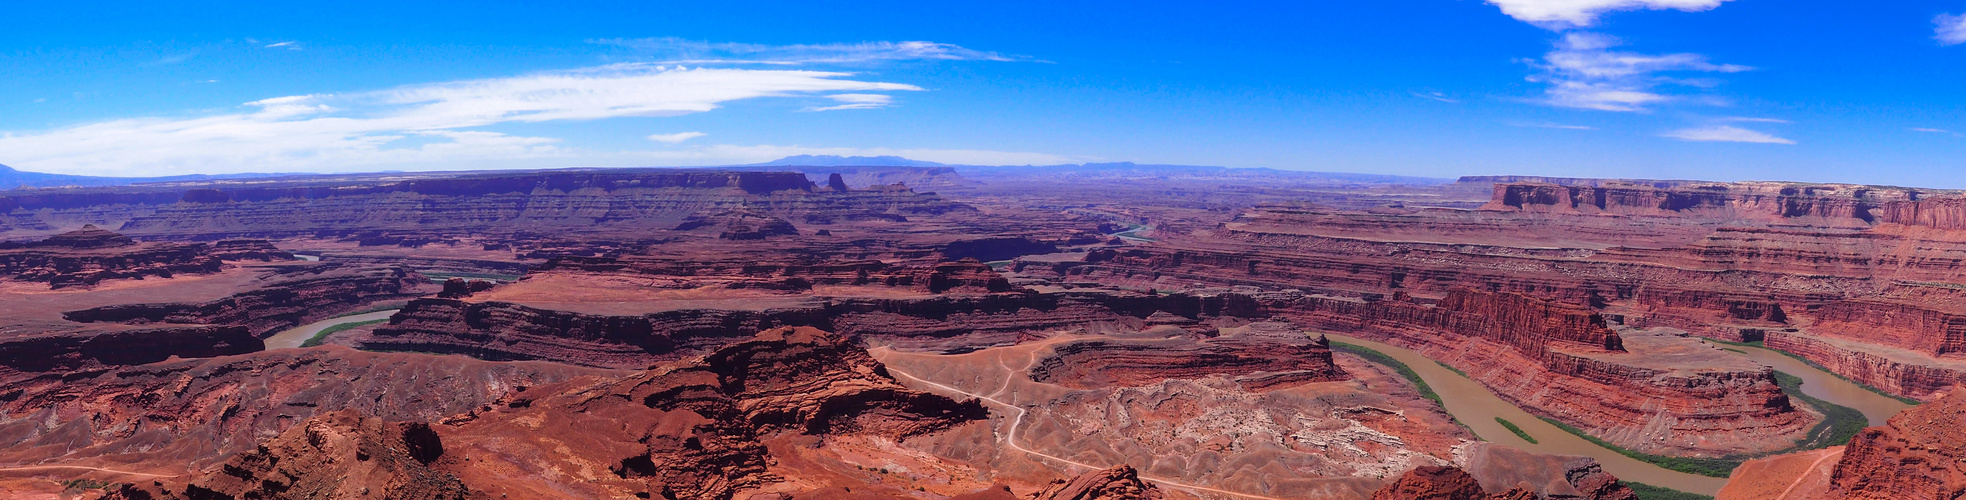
[(1950, 29), (1932, 130), (1582, 72), (679, 51), (856, 101), (676, 137), (1725, 133), (414, 126), (281, 44), (1559, 14)]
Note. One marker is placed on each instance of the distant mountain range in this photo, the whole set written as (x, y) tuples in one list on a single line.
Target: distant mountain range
[(846, 161), (11, 179)]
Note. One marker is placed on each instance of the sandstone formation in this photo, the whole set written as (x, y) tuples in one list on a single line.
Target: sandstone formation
[(1450, 483), (184, 414), (1163, 317), (1117, 483), (96, 350), (1503, 469), (288, 297), (689, 430), (1919, 454), (1258, 358), (1432, 483), (484, 203), (335, 455), (965, 313), (90, 255)]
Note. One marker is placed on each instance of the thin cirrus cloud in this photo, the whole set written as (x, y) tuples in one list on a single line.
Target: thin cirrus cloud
[(1583, 72), (726, 154), (1949, 29), (419, 125), (676, 137), (856, 101), (1562, 14), (1725, 133), (673, 50)]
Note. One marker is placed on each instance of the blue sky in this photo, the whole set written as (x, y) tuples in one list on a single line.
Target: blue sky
[(1712, 89)]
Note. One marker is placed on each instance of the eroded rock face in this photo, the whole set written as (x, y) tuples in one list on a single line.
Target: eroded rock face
[(496, 330), (1259, 360), (1432, 483), (99, 349), (693, 429), (90, 255), (341, 454), (186, 414), (290, 297), (1920, 453), (1531, 359), (502, 203), (1451, 483), (1504, 469), (1897, 376), (1117, 483)]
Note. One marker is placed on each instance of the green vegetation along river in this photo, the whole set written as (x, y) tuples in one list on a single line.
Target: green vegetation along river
[(294, 337), (1482, 411)]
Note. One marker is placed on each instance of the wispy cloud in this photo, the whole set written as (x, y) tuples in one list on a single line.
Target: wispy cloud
[(1582, 72), (856, 101), (725, 154), (1436, 96), (292, 45), (1935, 131), (1554, 126), (1725, 133), (1949, 29), (419, 124), (676, 137), (1561, 14), (680, 51)]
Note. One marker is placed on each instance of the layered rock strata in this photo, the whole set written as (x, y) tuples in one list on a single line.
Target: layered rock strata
[(495, 203), (1551, 359), (185, 414), (506, 331), (694, 429), (1917, 454), (289, 297), (1920, 453), (340, 454), (91, 255), (1117, 483), (1258, 360)]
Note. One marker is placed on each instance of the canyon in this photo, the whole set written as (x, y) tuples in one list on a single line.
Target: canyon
[(829, 332)]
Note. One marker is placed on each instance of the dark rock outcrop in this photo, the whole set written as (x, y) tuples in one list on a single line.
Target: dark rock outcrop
[(1117, 483), (1918, 454), (63, 351), (336, 455), (290, 297), (694, 429), (1257, 361)]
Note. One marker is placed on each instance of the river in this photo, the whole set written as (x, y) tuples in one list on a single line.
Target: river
[(1826, 386), (1473, 404), (292, 338)]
